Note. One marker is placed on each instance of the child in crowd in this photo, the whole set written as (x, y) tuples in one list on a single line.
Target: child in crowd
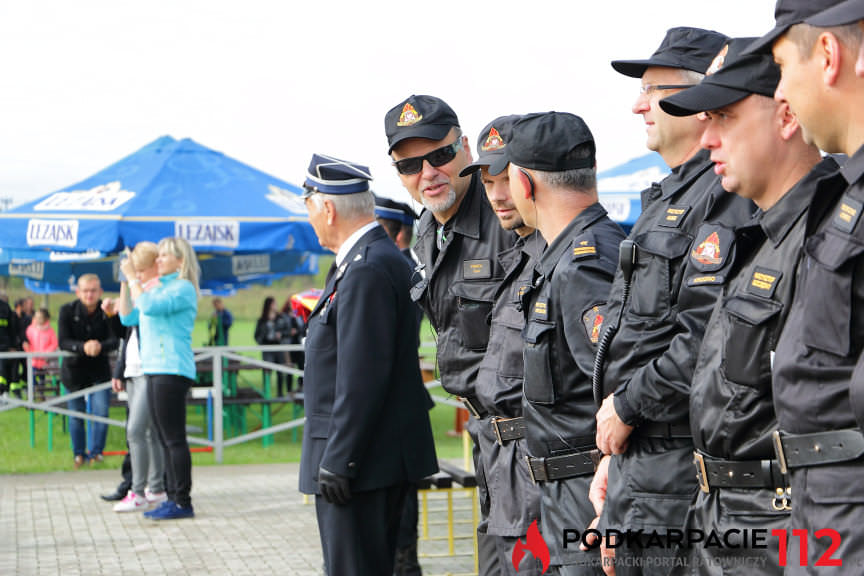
[(42, 338)]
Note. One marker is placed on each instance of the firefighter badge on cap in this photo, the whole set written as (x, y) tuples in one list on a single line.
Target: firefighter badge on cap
[(493, 141), (409, 116), (718, 61)]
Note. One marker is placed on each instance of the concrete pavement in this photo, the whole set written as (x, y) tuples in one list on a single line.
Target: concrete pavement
[(250, 520)]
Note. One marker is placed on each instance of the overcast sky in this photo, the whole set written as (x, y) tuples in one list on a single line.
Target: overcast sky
[(85, 83)]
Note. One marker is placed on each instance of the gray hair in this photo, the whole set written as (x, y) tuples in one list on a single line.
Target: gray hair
[(349, 206), (690, 76), (582, 179)]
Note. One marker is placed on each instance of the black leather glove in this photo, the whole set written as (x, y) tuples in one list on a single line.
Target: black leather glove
[(334, 487)]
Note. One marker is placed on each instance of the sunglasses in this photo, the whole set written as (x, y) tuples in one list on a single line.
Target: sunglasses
[(436, 158), (649, 89)]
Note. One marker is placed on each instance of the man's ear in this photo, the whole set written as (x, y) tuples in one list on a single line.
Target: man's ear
[(788, 121), (330, 211), (829, 51)]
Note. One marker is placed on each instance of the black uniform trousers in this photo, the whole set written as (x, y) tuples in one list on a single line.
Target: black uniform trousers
[(359, 538)]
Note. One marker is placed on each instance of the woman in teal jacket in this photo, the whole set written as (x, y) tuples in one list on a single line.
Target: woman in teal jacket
[(166, 315)]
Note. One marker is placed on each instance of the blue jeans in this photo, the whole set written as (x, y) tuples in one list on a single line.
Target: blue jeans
[(99, 404)]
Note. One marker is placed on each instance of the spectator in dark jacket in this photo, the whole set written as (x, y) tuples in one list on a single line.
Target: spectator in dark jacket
[(272, 328), (86, 331)]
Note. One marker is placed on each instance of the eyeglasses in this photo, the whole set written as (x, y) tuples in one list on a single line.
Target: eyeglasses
[(436, 158), (649, 89)]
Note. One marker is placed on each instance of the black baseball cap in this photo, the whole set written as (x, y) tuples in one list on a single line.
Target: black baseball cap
[(843, 13), (788, 13), (419, 117), (682, 47), (734, 75), (491, 143), (545, 141)]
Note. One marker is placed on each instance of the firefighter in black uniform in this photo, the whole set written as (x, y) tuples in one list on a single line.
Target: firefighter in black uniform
[(458, 242), (656, 318), (731, 408), (553, 183), (817, 45), (514, 501)]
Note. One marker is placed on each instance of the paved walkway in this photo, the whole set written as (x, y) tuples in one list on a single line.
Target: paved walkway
[(249, 520)]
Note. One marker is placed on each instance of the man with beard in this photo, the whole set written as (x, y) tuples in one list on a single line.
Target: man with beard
[(457, 246)]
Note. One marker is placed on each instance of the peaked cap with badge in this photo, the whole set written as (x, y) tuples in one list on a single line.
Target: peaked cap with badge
[(682, 47), (329, 175), (788, 13), (419, 117), (491, 144), (734, 74)]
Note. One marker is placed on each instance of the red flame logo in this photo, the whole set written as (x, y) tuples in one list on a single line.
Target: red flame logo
[(535, 544)]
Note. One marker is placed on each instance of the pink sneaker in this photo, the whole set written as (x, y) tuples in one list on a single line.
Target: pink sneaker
[(155, 497), (131, 503)]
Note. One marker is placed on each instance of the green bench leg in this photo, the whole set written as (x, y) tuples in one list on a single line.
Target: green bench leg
[(265, 411)]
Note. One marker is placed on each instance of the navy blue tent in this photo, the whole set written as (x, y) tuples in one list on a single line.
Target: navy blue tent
[(167, 188), (619, 187)]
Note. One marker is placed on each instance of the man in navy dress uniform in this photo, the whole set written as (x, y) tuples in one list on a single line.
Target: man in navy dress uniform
[(367, 432)]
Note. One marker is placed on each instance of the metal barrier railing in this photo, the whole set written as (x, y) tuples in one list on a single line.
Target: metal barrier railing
[(220, 358)]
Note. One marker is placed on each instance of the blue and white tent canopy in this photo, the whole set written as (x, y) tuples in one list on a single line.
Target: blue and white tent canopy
[(619, 188), (218, 271), (167, 188)]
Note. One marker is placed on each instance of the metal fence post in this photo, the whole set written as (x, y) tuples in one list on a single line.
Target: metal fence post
[(218, 436)]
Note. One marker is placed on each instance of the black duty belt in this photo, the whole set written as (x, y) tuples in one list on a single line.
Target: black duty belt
[(474, 407), (802, 450), (718, 473), (560, 467), (507, 429), (664, 430)]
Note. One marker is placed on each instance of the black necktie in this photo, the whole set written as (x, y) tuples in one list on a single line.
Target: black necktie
[(330, 273)]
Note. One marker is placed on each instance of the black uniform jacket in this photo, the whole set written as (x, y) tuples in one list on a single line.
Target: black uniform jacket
[(564, 315), (650, 360), (824, 334), (457, 285), (514, 500), (75, 327), (731, 407), (366, 415), (499, 381)]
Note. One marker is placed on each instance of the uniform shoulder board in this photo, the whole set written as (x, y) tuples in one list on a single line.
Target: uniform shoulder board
[(764, 282), (674, 215), (847, 214), (584, 246)]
